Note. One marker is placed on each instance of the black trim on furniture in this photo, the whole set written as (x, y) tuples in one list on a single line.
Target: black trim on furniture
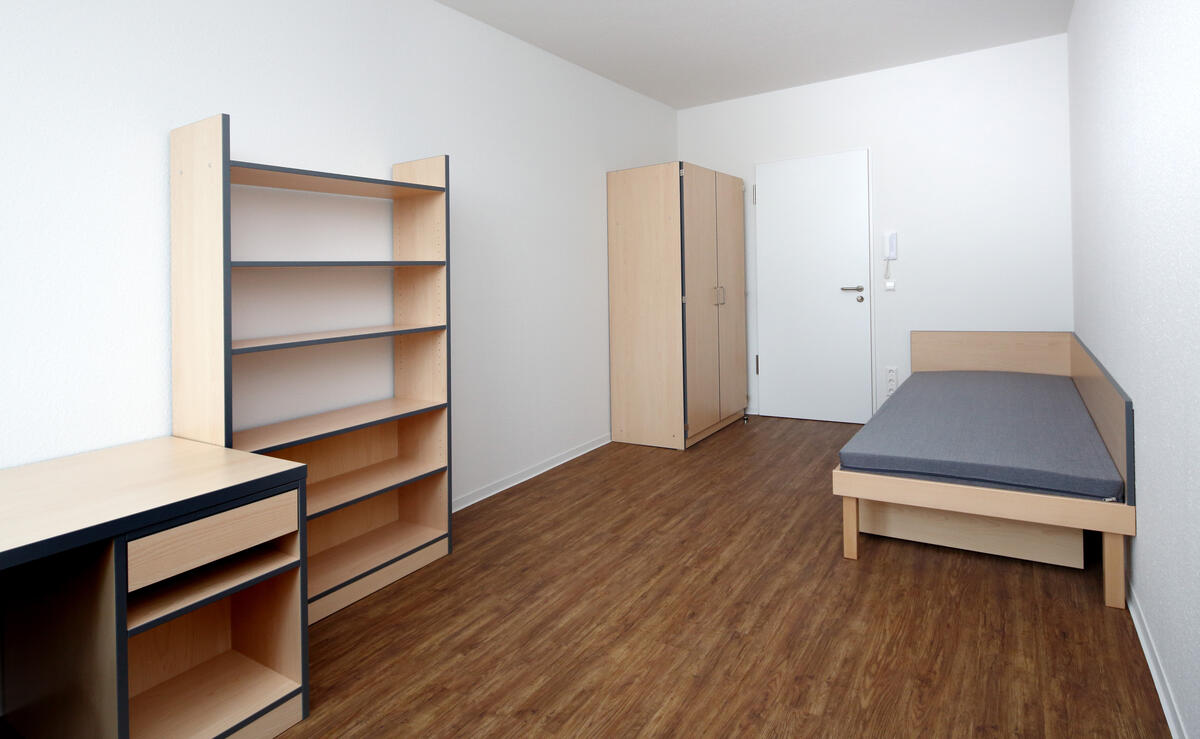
[(121, 570), (287, 479), (333, 176), (343, 263), (449, 430), (261, 712), (302, 528), (390, 487), (336, 339), (348, 429), (376, 568), (227, 276)]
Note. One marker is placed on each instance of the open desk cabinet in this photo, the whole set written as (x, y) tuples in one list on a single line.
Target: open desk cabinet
[(378, 503)]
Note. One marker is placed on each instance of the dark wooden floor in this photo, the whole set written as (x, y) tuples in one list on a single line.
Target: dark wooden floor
[(645, 591)]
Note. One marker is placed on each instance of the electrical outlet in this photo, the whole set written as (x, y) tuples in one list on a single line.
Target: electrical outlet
[(893, 379)]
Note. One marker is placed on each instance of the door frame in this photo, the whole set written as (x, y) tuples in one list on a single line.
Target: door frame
[(870, 265)]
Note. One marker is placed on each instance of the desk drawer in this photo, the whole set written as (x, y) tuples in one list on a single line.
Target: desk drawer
[(165, 554)]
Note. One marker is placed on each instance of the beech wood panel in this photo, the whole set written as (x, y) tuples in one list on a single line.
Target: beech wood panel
[(636, 591), (1110, 410), (199, 382), (159, 556), (1052, 510), (259, 175), (429, 171), (1035, 542), (298, 430), (645, 312), (731, 275), (419, 228), (381, 578), (419, 296), (274, 723), (702, 359), (157, 601), (696, 438), (1039, 352), (265, 343), (208, 700), (166, 651)]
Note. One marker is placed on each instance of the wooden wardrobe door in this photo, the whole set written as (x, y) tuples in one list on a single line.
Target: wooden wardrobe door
[(702, 354), (731, 275), (645, 315)]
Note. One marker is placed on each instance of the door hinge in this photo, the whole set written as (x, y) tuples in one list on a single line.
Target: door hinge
[(756, 364), (754, 194), (683, 299), (681, 170)]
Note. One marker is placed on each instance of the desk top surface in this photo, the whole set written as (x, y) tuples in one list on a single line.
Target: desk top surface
[(58, 504)]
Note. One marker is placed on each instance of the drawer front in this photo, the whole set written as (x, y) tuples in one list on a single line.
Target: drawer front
[(168, 553)]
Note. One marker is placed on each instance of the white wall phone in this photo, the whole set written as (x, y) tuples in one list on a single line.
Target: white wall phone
[(889, 256)]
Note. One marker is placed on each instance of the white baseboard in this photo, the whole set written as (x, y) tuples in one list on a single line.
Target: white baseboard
[(1165, 696), (488, 491)]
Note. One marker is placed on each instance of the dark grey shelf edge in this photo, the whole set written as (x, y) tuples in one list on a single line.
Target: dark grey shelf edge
[(377, 568), (337, 339), (334, 176), (392, 486), (343, 263), (348, 429)]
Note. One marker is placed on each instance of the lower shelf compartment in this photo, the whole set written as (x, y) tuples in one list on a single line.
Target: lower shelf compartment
[(340, 564), (206, 670), (208, 699)]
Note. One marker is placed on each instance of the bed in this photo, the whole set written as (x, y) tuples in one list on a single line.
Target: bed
[(1009, 443)]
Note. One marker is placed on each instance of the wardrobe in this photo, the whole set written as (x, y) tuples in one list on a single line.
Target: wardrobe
[(677, 303)]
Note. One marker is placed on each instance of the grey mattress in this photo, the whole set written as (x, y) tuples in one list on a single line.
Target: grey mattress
[(995, 429)]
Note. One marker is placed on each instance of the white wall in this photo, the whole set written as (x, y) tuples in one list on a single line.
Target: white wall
[(90, 92), (1135, 157), (969, 163)]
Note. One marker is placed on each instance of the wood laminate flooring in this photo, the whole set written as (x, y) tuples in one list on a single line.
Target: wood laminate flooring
[(639, 591)]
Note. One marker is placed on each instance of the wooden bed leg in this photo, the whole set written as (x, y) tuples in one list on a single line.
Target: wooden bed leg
[(1114, 570), (850, 528)]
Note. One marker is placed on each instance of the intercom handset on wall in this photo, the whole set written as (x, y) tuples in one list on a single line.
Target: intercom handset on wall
[(889, 256)]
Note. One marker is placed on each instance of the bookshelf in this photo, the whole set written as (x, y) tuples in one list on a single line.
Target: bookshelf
[(378, 471)]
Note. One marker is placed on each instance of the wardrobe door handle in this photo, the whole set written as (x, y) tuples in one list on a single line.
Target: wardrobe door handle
[(855, 289), (718, 296)]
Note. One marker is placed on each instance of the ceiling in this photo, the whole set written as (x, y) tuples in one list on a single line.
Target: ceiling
[(691, 52)]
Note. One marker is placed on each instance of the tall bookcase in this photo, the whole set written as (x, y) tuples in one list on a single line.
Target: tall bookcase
[(378, 496)]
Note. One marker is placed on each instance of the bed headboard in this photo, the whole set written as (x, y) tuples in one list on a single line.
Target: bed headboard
[(1043, 353)]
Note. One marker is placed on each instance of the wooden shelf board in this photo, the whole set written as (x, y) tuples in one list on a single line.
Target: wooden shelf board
[(159, 601), (350, 487), (287, 178), (346, 561), (311, 428), (331, 263), (270, 343), (208, 699)]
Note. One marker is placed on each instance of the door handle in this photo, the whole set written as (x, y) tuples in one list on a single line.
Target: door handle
[(718, 296), (855, 289)]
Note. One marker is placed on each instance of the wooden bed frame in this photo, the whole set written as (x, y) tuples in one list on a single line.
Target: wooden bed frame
[(1043, 528)]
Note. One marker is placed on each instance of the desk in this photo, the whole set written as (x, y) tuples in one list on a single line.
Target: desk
[(153, 589)]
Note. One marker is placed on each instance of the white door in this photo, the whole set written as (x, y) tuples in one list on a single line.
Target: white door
[(814, 297)]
